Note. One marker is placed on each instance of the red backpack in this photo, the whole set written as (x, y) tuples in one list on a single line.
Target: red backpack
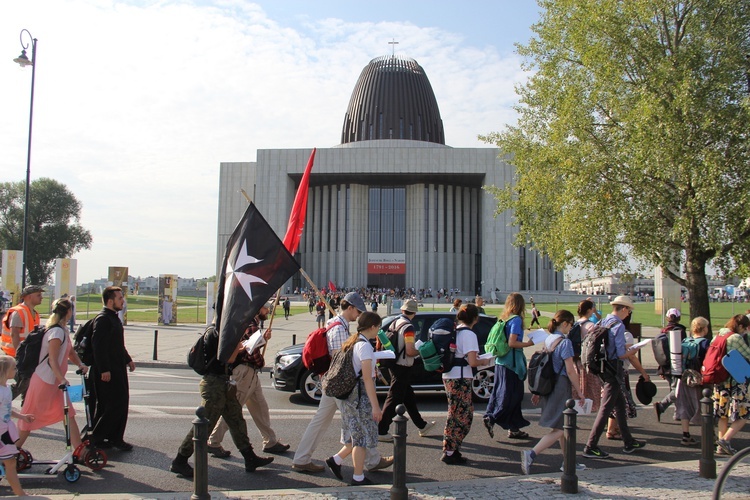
[(712, 370), (315, 355)]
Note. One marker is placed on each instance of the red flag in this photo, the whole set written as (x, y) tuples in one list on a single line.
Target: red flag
[(299, 210), (331, 286)]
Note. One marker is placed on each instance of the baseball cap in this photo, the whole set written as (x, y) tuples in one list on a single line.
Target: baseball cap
[(354, 299), (623, 300), (31, 289), (674, 312), (410, 305)]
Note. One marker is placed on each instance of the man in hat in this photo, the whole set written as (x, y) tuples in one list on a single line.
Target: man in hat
[(245, 373), (401, 391), (612, 396), (673, 323), (351, 307), (17, 323)]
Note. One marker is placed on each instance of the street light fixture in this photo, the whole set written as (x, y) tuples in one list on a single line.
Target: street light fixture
[(24, 61)]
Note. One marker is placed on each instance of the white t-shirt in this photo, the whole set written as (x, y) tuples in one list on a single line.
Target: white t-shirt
[(43, 370), (363, 350), (466, 342)]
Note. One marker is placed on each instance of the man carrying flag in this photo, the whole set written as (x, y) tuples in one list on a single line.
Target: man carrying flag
[(256, 264)]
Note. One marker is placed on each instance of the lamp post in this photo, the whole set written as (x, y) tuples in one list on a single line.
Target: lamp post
[(24, 61)]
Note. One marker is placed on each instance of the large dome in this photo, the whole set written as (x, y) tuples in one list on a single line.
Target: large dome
[(393, 99)]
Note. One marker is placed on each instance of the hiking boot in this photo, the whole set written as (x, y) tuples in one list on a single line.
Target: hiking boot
[(489, 426), (658, 410), (181, 467), (635, 445), (526, 461), (594, 453), (218, 451), (253, 461), (335, 468), (424, 430)]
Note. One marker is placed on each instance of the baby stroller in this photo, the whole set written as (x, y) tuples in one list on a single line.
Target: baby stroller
[(93, 458)]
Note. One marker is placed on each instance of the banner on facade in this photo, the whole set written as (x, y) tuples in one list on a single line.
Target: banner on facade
[(118, 276), (11, 272), (386, 263), (66, 277), (167, 299)]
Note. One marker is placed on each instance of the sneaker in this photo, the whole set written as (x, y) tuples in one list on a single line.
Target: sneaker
[(308, 468), (279, 447), (489, 426), (658, 410), (635, 445), (518, 435), (181, 469), (384, 463), (688, 441), (579, 467), (385, 438), (526, 461), (594, 453), (218, 451), (335, 468), (423, 431), (724, 445), (455, 459), (364, 482)]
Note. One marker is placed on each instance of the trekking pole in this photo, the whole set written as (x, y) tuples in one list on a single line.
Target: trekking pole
[(200, 444), (569, 480), (707, 463), (399, 491)]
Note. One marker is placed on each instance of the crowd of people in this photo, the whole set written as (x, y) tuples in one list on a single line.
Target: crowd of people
[(228, 387)]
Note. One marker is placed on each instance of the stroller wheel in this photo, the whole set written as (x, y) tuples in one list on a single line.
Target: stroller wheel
[(23, 460), (95, 459)]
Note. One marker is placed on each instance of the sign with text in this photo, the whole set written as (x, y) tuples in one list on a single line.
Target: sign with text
[(66, 276), (386, 263)]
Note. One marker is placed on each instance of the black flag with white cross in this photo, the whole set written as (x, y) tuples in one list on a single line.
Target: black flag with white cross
[(256, 264)]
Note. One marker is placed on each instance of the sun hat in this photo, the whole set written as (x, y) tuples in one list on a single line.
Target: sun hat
[(623, 300), (674, 312), (410, 306), (645, 391)]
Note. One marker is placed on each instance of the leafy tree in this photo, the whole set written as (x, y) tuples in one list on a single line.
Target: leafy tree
[(632, 138), (53, 230)]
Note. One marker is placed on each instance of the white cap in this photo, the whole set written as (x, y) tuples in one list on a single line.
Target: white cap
[(674, 312)]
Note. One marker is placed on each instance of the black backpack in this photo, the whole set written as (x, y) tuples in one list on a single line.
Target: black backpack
[(660, 345), (28, 352), (198, 358), (541, 371), (594, 351), (82, 343), (575, 337)]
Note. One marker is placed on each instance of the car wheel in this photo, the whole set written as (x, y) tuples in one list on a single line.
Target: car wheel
[(482, 385), (309, 387)]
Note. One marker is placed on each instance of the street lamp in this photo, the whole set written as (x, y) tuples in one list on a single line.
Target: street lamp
[(24, 61)]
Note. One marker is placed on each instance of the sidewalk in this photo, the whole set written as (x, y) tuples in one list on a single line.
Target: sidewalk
[(677, 480)]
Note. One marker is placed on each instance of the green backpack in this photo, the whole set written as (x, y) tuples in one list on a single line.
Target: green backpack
[(497, 341)]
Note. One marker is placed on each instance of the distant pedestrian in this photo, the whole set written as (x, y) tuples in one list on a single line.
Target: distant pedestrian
[(287, 307), (72, 322), (479, 301), (504, 406), (553, 405), (534, 316), (456, 306), (320, 311)]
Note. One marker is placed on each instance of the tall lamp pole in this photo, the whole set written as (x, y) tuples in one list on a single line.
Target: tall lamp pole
[(24, 61)]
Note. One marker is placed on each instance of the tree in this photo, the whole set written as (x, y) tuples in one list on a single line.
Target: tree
[(632, 137), (53, 230)]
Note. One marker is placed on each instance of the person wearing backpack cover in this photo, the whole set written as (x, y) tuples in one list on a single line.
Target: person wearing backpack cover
[(246, 370), (553, 404), (457, 380), (400, 391), (351, 307), (612, 396), (43, 398), (18, 322), (360, 411), (504, 406), (219, 400), (673, 318), (687, 404), (731, 396)]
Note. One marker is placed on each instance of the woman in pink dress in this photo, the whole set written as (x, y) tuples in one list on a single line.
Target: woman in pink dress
[(44, 399)]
